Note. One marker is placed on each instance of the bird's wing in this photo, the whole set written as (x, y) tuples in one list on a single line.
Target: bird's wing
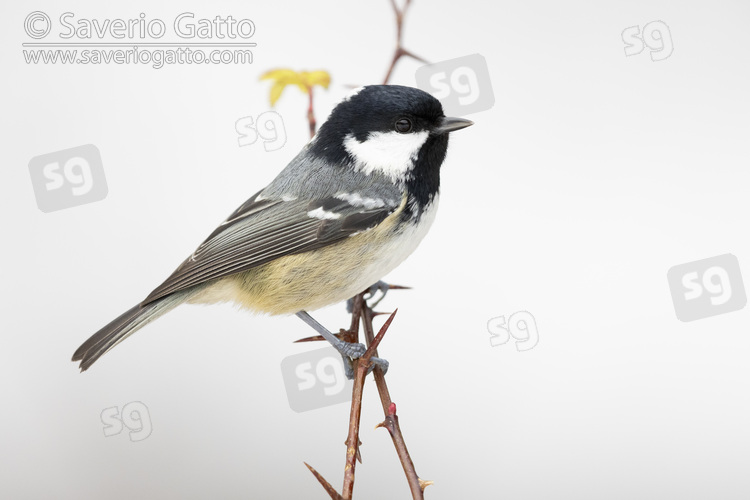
[(262, 230)]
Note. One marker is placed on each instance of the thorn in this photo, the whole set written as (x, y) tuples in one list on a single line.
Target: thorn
[(344, 335), (379, 336), (425, 484), (399, 287), (309, 339), (326, 485)]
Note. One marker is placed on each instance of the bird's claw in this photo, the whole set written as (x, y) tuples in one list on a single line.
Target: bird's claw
[(349, 364), (381, 286), (352, 350)]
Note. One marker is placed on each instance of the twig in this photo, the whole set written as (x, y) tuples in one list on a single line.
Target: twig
[(361, 366), (357, 308), (310, 113), (400, 50), (377, 373), (352, 441), (416, 485), (329, 489)]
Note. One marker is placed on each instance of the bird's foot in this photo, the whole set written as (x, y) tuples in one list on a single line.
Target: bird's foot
[(382, 287), (351, 351)]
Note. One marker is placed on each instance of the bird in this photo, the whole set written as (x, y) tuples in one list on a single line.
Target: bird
[(351, 206)]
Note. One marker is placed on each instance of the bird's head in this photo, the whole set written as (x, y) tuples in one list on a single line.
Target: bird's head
[(389, 129)]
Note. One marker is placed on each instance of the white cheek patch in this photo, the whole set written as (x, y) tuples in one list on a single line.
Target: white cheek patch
[(390, 153)]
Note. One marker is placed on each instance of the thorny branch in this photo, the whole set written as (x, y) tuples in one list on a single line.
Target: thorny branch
[(416, 485), (352, 442), (362, 312), (400, 51)]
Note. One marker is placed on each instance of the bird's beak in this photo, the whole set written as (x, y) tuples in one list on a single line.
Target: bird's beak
[(452, 124)]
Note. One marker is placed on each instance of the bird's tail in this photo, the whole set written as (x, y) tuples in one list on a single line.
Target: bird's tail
[(122, 327)]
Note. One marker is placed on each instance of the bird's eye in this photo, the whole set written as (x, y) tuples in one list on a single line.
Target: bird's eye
[(403, 125)]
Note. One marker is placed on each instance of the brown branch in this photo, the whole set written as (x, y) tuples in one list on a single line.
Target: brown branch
[(362, 366), (400, 51), (358, 306), (350, 335), (377, 373), (310, 113), (352, 441), (416, 485), (329, 489)]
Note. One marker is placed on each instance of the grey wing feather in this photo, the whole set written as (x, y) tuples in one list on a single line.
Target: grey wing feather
[(263, 230)]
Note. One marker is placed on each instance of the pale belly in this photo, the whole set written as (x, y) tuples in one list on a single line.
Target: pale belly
[(315, 279)]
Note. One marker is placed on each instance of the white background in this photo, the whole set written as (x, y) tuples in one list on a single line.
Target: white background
[(592, 175)]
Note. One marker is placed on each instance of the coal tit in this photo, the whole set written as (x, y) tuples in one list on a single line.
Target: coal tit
[(349, 208)]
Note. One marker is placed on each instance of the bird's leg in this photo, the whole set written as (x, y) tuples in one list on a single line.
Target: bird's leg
[(349, 351), (381, 286)]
